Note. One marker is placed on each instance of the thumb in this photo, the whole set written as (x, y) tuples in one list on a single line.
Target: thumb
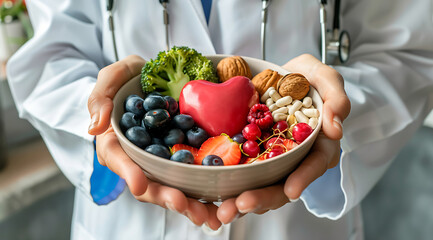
[(99, 108), (330, 85), (110, 80)]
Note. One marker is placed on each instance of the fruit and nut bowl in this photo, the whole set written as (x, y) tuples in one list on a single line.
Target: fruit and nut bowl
[(216, 126)]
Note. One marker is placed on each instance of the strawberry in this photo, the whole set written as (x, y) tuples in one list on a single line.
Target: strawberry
[(289, 144), (222, 146), (251, 160), (179, 146)]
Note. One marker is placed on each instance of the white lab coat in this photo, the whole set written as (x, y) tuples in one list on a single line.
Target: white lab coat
[(388, 79)]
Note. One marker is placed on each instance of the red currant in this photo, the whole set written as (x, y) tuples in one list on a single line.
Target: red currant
[(280, 126), (251, 132), (301, 131), (265, 136), (273, 141), (260, 115), (251, 148), (275, 152)]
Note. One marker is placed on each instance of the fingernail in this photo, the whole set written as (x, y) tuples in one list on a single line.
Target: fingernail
[(249, 210), (94, 121), (337, 122), (170, 206), (293, 200), (246, 210)]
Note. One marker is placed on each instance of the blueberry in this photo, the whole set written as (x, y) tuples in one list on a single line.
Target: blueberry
[(153, 102), (174, 136), (131, 96), (129, 120), (173, 106), (155, 93), (138, 136), (159, 133), (134, 104), (239, 138), (183, 121), (196, 136), (212, 160), (156, 118), (156, 140), (158, 150), (183, 156)]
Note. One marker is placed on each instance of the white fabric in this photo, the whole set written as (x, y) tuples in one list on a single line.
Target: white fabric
[(388, 79)]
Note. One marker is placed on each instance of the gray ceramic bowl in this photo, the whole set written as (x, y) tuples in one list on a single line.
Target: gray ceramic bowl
[(210, 183)]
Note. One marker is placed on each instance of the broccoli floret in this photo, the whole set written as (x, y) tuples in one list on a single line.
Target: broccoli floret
[(172, 69), (201, 68)]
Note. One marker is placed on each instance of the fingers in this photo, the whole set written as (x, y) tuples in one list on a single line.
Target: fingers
[(110, 79), (330, 85), (176, 201), (196, 212), (324, 155), (257, 201), (165, 197), (111, 154), (212, 222), (262, 200), (228, 211)]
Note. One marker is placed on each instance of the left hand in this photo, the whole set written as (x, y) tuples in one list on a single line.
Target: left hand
[(111, 154), (324, 154)]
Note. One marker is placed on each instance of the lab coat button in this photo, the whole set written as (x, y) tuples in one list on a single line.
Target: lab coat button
[(208, 231)]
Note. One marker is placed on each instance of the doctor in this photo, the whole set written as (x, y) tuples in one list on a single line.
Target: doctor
[(54, 78)]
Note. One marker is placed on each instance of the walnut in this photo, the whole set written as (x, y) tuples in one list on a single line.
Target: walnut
[(266, 79), (233, 66), (294, 85)]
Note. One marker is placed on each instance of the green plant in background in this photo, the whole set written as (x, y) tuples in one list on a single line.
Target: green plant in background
[(16, 10)]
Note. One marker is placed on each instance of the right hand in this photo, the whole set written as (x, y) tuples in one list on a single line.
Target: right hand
[(111, 154)]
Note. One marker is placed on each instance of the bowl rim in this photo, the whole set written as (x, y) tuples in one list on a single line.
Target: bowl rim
[(273, 66)]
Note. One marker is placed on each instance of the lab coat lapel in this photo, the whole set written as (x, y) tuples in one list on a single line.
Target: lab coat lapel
[(203, 30)]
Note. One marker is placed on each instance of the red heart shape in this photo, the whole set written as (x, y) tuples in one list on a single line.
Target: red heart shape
[(219, 107)]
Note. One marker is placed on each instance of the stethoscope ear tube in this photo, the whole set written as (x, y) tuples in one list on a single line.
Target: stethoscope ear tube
[(265, 5), (110, 4), (336, 45)]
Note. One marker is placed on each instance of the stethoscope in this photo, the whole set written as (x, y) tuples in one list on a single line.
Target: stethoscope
[(333, 42)]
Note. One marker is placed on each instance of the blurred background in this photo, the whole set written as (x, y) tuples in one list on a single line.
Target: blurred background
[(36, 199)]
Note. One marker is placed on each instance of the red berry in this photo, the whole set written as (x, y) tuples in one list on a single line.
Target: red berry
[(251, 148), (223, 147), (252, 159), (251, 132), (260, 115), (301, 131), (289, 144), (274, 141), (275, 152), (280, 126), (265, 135)]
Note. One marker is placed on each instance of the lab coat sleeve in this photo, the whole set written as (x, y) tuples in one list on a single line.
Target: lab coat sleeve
[(53, 74), (389, 81)]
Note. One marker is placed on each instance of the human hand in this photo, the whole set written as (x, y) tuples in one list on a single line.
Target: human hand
[(323, 155), (111, 154)]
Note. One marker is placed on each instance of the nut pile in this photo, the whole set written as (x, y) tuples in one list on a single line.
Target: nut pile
[(292, 111)]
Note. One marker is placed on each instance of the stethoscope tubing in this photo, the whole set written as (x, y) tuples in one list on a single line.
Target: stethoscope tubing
[(265, 6)]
